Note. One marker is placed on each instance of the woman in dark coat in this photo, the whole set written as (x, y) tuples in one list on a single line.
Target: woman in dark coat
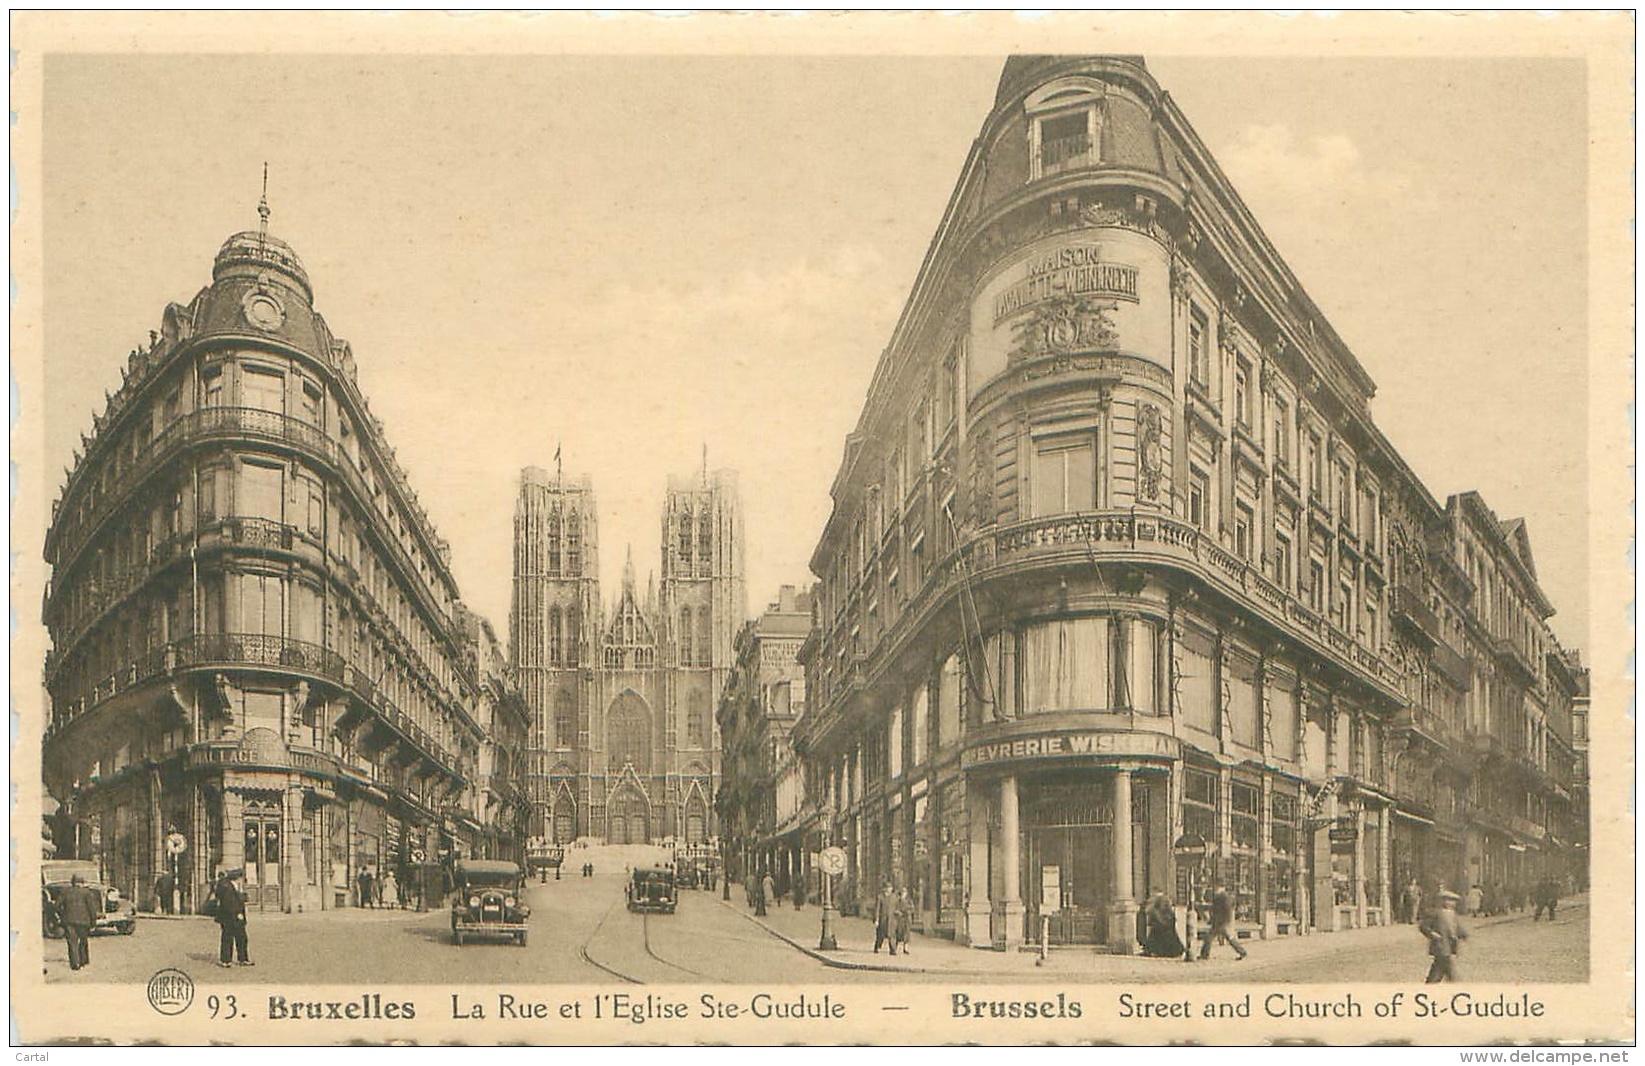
[(1161, 939)]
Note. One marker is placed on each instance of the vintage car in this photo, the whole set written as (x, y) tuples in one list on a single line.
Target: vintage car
[(119, 913), (652, 889), (487, 900)]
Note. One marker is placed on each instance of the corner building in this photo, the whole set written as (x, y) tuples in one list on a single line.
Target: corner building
[(624, 746), (256, 645), (1123, 587)]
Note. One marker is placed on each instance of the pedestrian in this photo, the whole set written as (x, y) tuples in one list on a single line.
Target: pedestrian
[(885, 908), (163, 886), (1475, 901), (768, 889), (759, 895), (363, 883), (748, 890), (1222, 924), (799, 892), (1445, 933), (1160, 939), (230, 915), (902, 920), (391, 890), (78, 906), (1547, 898)]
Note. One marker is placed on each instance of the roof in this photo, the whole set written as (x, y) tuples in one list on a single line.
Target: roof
[(488, 868)]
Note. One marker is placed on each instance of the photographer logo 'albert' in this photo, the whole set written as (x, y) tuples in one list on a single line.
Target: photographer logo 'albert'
[(170, 991)]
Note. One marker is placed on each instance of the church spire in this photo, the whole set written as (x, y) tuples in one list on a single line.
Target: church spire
[(628, 570)]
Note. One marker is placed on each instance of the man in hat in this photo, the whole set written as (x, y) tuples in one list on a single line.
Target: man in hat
[(1222, 924), (78, 906), (230, 916), (1445, 933)]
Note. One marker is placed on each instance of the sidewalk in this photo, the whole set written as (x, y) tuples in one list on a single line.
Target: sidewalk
[(938, 955)]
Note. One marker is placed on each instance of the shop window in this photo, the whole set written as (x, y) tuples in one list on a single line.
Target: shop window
[(1064, 476), (1243, 804), (1199, 805), (1065, 665)]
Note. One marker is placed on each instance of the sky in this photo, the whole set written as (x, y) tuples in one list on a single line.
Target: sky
[(634, 258)]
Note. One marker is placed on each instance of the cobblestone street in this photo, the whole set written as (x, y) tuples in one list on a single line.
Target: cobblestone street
[(581, 933)]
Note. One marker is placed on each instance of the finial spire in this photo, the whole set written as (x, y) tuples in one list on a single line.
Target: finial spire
[(705, 464), (262, 207)]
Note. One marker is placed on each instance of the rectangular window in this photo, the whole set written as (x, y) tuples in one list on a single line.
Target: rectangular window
[(1065, 475), (1316, 586), (1282, 562), (1199, 496), (1065, 141), (1316, 466), (1199, 348), (1282, 707), (1142, 667), (262, 605), (1244, 801), (310, 412), (1244, 525), (1242, 394), (1282, 431), (211, 387), (261, 492), (1199, 699), (1199, 805), (1066, 665), (1368, 518), (263, 388), (316, 509), (1345, 495)]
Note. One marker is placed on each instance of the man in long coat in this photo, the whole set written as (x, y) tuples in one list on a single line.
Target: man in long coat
[(78, 906), (885, 913), (230, 915), (1445, 933)]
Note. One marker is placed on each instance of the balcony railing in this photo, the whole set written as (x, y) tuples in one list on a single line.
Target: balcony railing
[(1124, 535), (1060, 152), (1409, 603), (240, 650), (1511, 653)]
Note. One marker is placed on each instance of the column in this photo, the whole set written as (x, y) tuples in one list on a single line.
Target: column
[(1122, 916), (979, 907), (1360, 873), (1385, 831), (293, 870), (1010, 861)]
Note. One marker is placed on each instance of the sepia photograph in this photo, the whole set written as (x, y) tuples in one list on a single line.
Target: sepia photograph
[(884, 529)]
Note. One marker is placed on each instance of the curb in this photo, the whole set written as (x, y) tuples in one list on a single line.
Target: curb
[(841, 964)]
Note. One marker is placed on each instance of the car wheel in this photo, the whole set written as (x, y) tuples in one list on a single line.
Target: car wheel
[(128, 928)]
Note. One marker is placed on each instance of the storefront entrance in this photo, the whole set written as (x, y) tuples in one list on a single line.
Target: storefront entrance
[(1070, 862), (264, 840)]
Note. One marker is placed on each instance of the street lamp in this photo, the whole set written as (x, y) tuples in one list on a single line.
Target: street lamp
[(830, 861), (1191, 850)]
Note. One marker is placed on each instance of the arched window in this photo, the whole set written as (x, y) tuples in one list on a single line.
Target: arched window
[(628, 734), (705, 638), (705, 538), (696, 720), (565, 721), (554, 636), (685, 538), (553, 542), (685, 636), (573, 637)]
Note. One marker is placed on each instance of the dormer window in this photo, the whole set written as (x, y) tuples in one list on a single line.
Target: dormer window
[(1065, 126)]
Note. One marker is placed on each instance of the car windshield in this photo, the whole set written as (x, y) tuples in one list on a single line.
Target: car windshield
[(489, 875), (62, 870)]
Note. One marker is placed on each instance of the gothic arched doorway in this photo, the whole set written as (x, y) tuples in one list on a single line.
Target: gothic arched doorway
[(565, 817), (628, 817), (696, 818)]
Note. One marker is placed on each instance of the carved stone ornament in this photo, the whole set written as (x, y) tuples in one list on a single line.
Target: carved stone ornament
[(1150, 454), (1066, 324), (1180, 277)]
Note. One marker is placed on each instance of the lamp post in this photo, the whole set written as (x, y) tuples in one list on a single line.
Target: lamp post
[(830, 861), (1190, 849)]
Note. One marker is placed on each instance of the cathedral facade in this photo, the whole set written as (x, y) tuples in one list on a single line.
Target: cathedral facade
[(621, 698)]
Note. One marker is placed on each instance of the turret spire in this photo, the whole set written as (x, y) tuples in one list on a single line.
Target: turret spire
[(262, 208)]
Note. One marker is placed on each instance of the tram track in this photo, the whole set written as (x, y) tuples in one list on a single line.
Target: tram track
[(586, 953)]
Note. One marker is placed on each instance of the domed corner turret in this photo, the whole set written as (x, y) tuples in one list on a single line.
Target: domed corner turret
[(251, 254), (1025, 72)]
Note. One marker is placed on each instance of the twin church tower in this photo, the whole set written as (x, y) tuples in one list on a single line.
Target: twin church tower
[(621, 698)]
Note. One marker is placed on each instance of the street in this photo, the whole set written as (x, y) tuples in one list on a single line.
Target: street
[(581, 933)]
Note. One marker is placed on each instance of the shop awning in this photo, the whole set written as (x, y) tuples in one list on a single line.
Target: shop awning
[(1409, 817)]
